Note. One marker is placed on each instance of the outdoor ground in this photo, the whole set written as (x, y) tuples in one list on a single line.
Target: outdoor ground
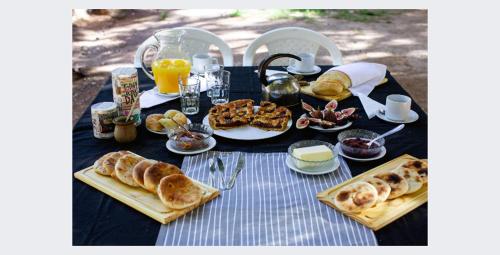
[(396, 38)]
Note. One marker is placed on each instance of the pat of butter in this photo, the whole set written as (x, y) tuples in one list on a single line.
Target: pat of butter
[(313, 153)]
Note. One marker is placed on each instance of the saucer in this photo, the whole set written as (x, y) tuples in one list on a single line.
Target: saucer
[(211, 144), (324, 170), (412, 117), (214, 68), (380, 155), (291, 69)]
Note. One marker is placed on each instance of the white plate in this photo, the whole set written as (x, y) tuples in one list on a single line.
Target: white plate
[(380, 155), (290, 69), (412, 117), (164, 132), (247, 132), (324, 170), (329, 130), (155, 89), (211, 144)]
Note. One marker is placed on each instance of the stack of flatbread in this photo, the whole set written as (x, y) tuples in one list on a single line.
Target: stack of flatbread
[(407, 178), (175, 190)]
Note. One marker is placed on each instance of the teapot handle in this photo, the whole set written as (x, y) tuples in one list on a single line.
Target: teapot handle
[(142, 53), (263, 65)]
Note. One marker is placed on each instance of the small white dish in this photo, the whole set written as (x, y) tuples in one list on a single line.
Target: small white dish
[(214, 68), (291, 69), (412, 117), (155, 89), (329, 130), (324, 170), (211, 144), (382, 153)]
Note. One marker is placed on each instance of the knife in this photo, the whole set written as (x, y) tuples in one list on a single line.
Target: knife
[(237, 170)]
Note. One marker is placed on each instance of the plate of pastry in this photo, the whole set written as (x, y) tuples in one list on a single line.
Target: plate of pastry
[(242, 120), (162, 124)]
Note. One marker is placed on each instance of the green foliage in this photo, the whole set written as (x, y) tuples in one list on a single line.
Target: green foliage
[(163, 15), (236, 13), (362, 15)]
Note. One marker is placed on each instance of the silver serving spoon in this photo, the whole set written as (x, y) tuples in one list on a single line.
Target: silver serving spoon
[(390, 132)]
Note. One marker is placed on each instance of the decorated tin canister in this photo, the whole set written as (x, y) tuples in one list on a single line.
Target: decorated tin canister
[(125, 91), (102, 119)]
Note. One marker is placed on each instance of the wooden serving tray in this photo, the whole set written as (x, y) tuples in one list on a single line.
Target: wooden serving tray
[(345, 93), (138, 198), (384, 213)]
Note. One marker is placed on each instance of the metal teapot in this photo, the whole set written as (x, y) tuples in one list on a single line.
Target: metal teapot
[(280, 88)]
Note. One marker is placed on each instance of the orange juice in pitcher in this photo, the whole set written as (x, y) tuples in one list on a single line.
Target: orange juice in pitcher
[(166, 74), (170, 61)]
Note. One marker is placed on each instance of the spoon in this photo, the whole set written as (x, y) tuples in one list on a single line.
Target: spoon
[(135, 100), (390, 132)]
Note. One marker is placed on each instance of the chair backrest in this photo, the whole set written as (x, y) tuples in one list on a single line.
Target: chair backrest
[(292, 40), (196, 40)]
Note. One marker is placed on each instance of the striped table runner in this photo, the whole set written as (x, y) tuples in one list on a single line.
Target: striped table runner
[(269, 205)]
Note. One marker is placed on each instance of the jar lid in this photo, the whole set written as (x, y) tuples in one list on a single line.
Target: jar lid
[(103, 106), (126, 70)]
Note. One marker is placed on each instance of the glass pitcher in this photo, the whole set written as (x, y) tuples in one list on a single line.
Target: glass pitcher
[(170, 62)]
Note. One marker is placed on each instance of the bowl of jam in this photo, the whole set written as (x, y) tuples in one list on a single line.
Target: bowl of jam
[(195, 137), (354, 143)]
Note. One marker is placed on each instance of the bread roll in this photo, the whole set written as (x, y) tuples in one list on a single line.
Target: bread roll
[(177, 192), (99, 167), (399, 186), (154, 174), (411, 176), (124, 167), (420, 166), (140, 169), (355, 197), (152, 122), (331, 83), (383, 188)]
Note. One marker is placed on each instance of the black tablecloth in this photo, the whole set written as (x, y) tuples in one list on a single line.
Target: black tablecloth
[(101, 220)]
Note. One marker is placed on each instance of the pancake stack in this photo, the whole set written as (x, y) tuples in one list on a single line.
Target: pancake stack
[(407, 178), (175, 190)]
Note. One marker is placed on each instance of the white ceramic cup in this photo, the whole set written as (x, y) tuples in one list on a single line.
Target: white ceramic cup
[(203, 62), (306, 65), (397, 107)]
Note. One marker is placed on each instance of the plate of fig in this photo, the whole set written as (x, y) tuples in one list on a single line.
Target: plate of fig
[(327, 119)]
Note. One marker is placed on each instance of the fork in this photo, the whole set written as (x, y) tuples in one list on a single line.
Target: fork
[(237, 170), (221, 180), (211, 179)]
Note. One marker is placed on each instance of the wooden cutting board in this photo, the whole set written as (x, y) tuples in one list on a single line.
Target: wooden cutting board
[(138, 198), (384, 213), (345, 93)]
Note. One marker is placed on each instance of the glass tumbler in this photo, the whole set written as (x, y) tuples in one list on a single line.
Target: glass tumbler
[(220, 89), (211, 76), (190, 95)]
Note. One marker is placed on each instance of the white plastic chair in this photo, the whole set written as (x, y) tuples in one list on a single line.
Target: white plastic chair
[(292, 40), (196, 40)]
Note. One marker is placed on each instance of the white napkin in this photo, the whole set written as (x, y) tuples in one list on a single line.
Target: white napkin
[(364, 77), (151, 97)]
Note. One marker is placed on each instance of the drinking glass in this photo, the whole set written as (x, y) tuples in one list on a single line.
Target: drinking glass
[(212, 76), (220, 89), (190, 94)]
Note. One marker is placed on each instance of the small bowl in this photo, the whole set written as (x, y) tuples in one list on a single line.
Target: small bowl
[(184, 143), (359, 152), (310, 165)]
